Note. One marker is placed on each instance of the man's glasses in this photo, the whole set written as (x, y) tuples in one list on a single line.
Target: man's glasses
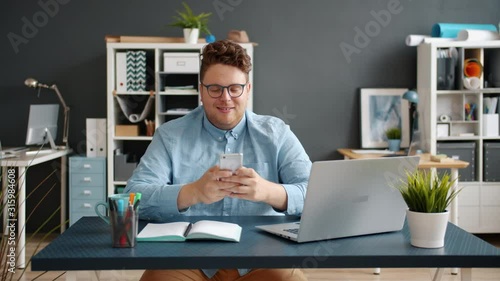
[(216, 90)]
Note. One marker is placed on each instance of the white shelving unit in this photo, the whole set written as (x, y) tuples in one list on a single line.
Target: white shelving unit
[(171, 65), (479, 201)]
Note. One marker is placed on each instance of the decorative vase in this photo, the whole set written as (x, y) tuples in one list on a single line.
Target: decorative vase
[(191, 35), (394, 145), (427, 230)]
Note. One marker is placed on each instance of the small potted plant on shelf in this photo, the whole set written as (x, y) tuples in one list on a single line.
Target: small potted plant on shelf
[(427, 197), (394, 138), (192, 24)]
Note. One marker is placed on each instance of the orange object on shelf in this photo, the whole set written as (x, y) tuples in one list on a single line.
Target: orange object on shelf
[(473, 68)]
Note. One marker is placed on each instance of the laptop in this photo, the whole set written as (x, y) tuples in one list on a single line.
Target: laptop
[(350, 198)]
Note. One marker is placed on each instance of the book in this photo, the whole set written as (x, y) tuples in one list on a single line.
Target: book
[(182, 231), (441, 158)]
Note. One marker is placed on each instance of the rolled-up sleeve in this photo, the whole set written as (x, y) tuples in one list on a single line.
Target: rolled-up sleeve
[(294, 170)]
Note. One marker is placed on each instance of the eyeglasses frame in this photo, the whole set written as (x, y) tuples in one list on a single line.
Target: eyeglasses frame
[(225, 87)]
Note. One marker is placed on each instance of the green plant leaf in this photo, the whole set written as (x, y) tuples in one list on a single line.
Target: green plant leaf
[(187, 19), (424, 192)]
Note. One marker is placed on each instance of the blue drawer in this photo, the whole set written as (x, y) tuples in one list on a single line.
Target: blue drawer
[(84, 206), (87, 186), (87, 192), (87, 180), (86, 165)]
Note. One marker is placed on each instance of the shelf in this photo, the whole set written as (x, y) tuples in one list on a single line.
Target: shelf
[(492, 138), (458, 138), (174, 112), (465, 91), (459, 122), (119, 183), (179, 93), (465, 44), (138, 138), (490, 183), (133, 93)]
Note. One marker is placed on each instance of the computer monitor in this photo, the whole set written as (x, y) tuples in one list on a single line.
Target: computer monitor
[(42, 124)]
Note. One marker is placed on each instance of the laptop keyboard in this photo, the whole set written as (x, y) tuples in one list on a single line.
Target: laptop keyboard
[(292, 230)]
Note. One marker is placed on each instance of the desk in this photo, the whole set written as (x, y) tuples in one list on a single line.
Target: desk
[(86, 245), (23, 161), (425, 163)]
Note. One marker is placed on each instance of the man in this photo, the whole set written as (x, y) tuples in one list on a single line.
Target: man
[(178, 174)]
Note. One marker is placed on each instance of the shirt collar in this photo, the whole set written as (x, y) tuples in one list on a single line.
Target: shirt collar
[(219, 134)]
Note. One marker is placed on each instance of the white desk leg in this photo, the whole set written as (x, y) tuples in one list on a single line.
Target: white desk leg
[(466, 274), (4, 199), (438, 274), (64, 161), (454, 203), (21, 218), (454, 207)]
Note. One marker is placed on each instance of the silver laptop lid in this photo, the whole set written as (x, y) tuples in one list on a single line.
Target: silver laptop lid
[(354, 197)]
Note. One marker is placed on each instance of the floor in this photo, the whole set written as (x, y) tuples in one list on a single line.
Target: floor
[(366, 274)]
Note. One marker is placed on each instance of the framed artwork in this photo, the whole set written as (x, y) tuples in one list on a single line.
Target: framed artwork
[(382, 109)]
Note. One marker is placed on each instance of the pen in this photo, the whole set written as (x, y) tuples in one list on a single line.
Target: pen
[(114, 204), (131, 199), (121, 221), (120, 207), (137, 200), (126, 225), (136, 204), (137, 197), (188, 229)]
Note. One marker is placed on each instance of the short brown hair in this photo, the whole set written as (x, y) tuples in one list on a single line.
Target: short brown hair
[(225, 52)]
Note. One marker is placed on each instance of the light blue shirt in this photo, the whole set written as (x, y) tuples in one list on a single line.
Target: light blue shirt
[(183, 149)]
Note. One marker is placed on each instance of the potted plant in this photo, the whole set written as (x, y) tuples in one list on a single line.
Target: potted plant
[(394, 138), (192, 24), (427, 197)]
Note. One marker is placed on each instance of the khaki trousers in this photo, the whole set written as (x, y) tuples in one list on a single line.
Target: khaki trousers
[(224, 275)]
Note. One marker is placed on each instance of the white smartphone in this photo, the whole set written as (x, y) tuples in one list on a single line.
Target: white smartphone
[(232, 161)]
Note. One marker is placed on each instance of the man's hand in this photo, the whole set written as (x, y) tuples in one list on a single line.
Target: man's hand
[(249, 185), (208, 189)]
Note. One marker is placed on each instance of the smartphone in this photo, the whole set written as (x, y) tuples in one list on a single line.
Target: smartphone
[(232, 161)]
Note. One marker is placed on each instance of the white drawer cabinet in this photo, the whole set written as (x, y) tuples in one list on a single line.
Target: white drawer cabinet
[(87, 178), (479, 207)]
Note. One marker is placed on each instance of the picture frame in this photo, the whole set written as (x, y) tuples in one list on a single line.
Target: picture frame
[(382, 109)]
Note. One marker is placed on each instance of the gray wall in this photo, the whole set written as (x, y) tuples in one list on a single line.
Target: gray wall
[(301, 74)]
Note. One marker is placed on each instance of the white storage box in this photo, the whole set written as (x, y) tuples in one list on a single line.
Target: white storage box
[(181, 62), (490, 125)]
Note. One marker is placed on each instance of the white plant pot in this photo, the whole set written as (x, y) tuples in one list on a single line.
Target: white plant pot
[(427, 230), (191, 35)]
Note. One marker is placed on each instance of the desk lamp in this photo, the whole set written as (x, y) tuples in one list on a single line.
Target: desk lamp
[(33, 83), (412, 97)]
